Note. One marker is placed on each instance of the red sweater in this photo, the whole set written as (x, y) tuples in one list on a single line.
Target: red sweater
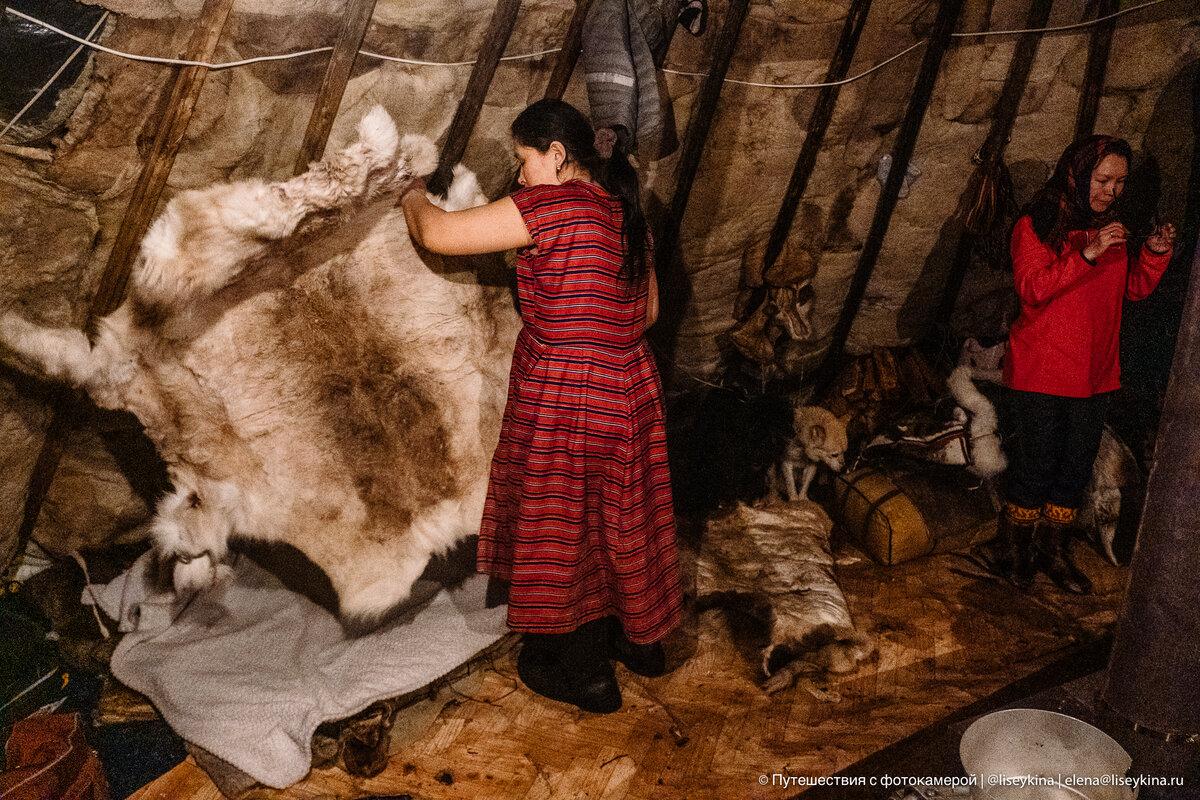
[(1067, 339)]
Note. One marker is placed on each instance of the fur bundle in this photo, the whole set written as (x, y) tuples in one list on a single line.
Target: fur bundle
[(779, 555), (307, 376)]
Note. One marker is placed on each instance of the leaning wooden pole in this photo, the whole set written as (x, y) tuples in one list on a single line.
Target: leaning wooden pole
[(818, 124), (568, 56), (1099, 46), (504, 17), (696, 136), (902, 150), (1004, 116), (185, 91), (333, 86)]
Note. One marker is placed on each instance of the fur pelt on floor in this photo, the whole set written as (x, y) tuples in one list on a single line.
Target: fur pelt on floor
[(306, 374), (778, 555)]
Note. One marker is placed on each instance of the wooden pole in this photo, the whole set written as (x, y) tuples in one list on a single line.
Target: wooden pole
[(337, 74), (1093, 73), (1154, 672), (1004, 116), (153, 178), (141, 209), (494, 41), (564, 64), (698, 127), (818, 124), (902, 150)]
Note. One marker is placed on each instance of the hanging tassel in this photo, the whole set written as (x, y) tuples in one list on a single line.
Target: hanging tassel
[(990, 198)]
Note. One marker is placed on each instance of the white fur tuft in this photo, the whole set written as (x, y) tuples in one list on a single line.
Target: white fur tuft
[(377, 131), (464, 191), (419, 152), (987, 458)]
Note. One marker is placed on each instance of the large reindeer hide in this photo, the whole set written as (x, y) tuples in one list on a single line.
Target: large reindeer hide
[(307, 376)]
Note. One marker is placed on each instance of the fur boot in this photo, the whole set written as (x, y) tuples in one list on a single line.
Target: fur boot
[(1053, 556), (1009, 554)]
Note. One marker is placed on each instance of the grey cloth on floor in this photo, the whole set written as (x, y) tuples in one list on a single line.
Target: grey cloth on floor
[(249, 669), (623, 41)]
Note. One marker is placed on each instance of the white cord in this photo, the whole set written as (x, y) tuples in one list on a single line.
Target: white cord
[(907, 50), (842, 82), (523, 56), (183, 62), (1071, 27), (54, 77)]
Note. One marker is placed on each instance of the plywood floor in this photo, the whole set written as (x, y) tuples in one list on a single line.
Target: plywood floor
[(945, 639)]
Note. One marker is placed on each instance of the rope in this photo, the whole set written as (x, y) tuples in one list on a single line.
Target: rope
[(907, 50), (523, 56), (183, 62), (54, 77)]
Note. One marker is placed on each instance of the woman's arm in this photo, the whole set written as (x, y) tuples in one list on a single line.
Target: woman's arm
[(1152, 261), (484, 229), (1039, 273), (652, 301)]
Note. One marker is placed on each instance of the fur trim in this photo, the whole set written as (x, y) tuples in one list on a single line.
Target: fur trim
[(987, 457)]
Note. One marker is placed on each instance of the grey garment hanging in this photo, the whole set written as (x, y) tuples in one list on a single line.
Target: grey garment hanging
[(623, 42)]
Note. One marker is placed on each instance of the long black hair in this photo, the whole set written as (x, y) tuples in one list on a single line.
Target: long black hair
[(1064, 203), (548, 121)]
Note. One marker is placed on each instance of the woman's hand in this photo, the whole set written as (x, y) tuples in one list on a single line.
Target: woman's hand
[(1162, 240), (1101, 240), (415, 189)]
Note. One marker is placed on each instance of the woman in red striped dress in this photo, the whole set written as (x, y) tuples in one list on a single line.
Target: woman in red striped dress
[(578, 514)]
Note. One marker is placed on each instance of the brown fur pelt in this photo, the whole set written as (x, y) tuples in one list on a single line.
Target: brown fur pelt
[(307, 376), (779, 556)]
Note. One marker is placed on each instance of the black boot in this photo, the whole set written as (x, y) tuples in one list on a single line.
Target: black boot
[(1009, 554), (648, 660), (570, 668), (1054, 550)]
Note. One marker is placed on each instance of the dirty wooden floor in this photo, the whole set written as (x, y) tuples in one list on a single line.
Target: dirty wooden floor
[(945, 639)]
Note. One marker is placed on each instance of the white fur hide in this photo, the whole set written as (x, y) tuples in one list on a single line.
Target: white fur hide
[(987, 458), (779, 555), (307, 376)]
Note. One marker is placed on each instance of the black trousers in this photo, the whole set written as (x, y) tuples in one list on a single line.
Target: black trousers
[(1052, 447)]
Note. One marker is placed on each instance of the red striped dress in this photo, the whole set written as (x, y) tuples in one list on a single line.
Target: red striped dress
[(578, 513)]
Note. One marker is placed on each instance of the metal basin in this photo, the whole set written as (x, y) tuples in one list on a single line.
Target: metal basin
[(1027, 754)]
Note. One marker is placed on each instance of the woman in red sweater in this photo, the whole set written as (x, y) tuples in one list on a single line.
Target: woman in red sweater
[(1072, 268)]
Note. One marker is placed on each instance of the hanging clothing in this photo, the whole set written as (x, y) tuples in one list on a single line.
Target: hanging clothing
[(1066, 341), (624, 41), (579, 514)]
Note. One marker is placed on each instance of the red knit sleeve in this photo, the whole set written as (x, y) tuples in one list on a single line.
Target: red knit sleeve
[(1145, 273), (1039, 273)]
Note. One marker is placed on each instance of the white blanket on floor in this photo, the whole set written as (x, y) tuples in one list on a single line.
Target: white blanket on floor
[(248, 670)]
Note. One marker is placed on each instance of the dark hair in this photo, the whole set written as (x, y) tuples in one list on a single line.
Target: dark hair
[(548, 121), (1064, 203)]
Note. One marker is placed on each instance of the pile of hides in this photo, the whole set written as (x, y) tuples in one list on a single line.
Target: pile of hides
[(778, 555), (307, 376), (247, 671), (880, 386)]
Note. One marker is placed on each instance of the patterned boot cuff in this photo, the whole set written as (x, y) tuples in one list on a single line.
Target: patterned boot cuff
[(1018, 513), (1060, 515)]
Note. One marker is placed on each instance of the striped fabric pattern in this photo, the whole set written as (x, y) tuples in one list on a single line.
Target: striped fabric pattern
[(578, 513)]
